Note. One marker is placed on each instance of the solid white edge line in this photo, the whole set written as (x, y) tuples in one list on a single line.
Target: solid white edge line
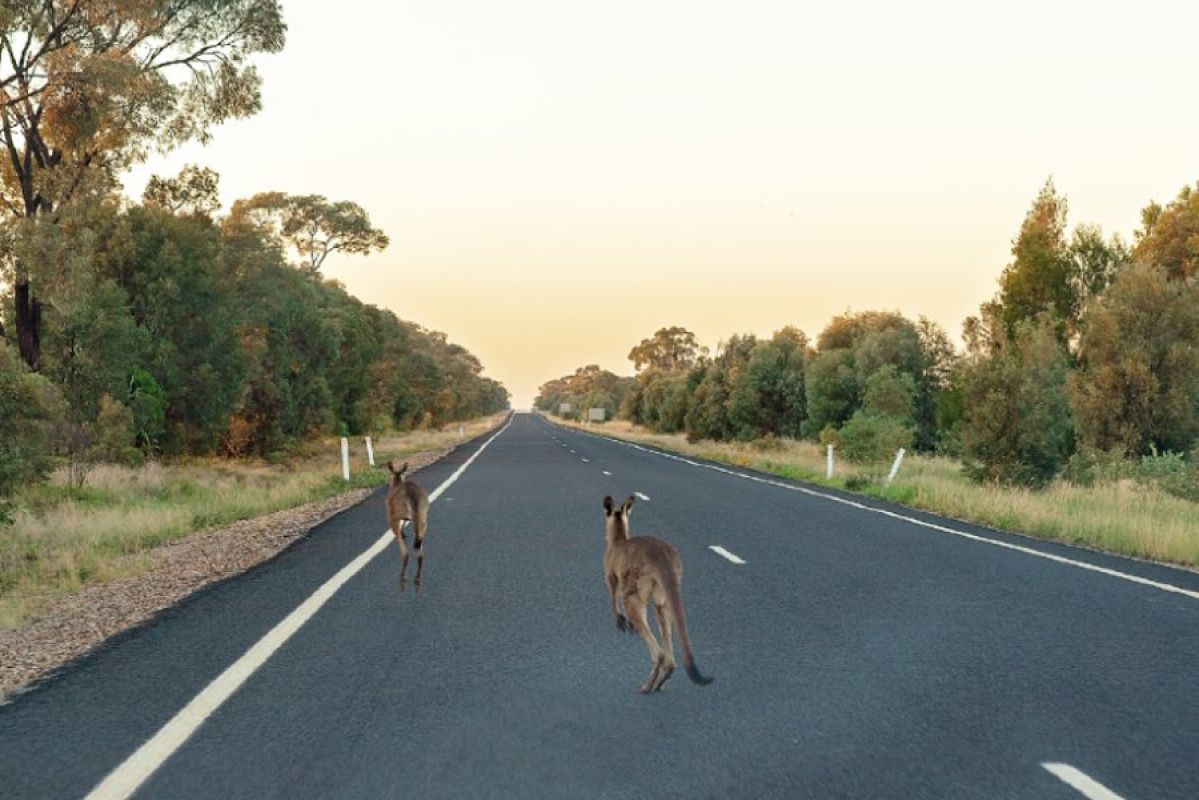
[(1165, 587), (720, 551), (126, 778), (1077, 779), (642, 495)]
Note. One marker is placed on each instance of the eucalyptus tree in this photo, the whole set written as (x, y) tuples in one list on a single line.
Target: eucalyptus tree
[(90, 87), (313, 226)]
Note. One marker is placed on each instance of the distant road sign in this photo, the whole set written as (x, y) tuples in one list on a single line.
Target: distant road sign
[(595, 415), (564, 408)]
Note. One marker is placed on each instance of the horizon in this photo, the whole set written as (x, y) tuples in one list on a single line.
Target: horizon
[(558, 184)]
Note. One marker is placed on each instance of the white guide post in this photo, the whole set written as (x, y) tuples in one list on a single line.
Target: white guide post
[(345, 458), (828, 470), (895, 466), (461, 432), (370, 452)]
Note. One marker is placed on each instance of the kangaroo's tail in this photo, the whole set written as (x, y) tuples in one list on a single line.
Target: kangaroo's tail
[(670, 583)]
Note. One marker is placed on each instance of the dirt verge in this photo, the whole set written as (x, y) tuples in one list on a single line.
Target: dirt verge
[(77, 624)]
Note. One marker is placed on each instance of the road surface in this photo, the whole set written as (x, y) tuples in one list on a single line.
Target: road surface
[(856, 654)]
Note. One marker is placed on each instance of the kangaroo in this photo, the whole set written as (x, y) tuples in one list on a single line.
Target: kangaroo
[(641, 571), (407, 502)]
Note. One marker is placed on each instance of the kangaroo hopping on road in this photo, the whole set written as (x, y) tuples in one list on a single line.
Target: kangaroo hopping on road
[(640, 571), (407, 502)]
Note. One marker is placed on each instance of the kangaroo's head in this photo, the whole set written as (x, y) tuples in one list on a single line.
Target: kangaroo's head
[(397, 475), (616, 519)]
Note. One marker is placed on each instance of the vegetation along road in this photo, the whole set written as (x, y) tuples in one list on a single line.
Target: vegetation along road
[(859, 649)]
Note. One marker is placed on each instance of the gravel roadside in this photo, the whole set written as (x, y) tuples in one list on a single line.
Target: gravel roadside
[(79, 623)]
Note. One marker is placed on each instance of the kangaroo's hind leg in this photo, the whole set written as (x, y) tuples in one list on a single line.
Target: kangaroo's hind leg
[(666, 659), (420, 525), (635, 609), (399, 534)]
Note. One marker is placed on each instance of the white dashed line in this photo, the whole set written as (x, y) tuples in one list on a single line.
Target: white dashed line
[(585, 461), (641, 495), (607, 473), (720, 551), (1165, 587), (1077, 779)]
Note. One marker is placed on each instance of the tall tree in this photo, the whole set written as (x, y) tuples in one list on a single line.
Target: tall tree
[(767, 395), (668, 349), (1039, 280), (853, 346), (87, 87), (314, 227), (1017, 426), (193, 190), (1169, 237), (1137, 384)]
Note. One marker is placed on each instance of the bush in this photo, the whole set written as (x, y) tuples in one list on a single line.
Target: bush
[(871, 438), (1089, 466), (113, 435), (857, 482), (829, 436), (1017, 426), (28, 404), (768, 443), (1173, 473)]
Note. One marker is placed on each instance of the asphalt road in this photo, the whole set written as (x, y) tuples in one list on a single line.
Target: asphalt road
[(855, 654)]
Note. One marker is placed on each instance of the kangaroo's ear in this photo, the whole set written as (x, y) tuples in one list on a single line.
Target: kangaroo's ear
[(628, 505), (608, 506), (403, 469), (391, 467)]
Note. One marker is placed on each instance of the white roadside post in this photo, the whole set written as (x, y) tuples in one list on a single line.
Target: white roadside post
[(461, 432), (895, 466), (828, 470), (345, 458), (370, 452)]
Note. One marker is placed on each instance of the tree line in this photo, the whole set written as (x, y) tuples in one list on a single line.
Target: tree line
[(1086, 357), (161, 327)]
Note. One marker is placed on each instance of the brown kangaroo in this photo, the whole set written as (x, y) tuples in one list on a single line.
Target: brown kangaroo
[(407, 502), (640, 571)]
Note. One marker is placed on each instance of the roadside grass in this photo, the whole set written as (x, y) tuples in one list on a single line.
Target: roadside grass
[(64, 538), (1123, 517)]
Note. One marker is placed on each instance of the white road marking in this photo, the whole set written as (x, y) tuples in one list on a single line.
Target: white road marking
[(642, 496), (1085, 784), (585, 461), (1165, 587), (145, 761), (607, 473), (720, 551)]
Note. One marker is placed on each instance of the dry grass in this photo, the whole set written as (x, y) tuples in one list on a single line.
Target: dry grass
[(1124, 517), (64, 538)]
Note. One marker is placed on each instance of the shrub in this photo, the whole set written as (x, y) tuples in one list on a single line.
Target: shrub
[(871, 438), (1173, 473), (1017, 426), (28, 404), (1089, 466)]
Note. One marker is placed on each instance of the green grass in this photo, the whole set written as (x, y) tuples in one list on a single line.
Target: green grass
[(1124, 517), (64, 537)]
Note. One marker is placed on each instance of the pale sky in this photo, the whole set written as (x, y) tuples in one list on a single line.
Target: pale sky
[(561, 179)]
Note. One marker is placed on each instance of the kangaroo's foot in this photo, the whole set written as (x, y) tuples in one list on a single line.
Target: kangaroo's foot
[(651, 683), (664, 673)]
